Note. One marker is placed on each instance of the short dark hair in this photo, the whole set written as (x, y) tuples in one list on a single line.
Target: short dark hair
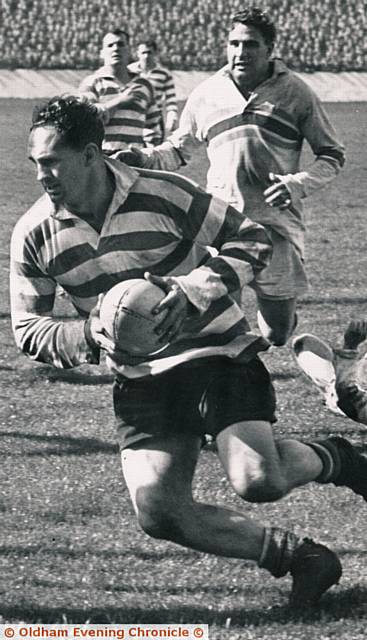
[(148, 42), (118, 32), (77, 121), (255, 17)]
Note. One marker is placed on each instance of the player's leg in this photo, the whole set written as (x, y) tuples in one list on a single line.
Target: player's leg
[(160, 431), (277, 288), (239, 406), (276, 319), (158, 474)]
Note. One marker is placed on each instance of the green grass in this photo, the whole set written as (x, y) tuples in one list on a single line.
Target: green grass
[(70, 549)]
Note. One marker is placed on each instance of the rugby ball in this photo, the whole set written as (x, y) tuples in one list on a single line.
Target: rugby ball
[(126, 315)]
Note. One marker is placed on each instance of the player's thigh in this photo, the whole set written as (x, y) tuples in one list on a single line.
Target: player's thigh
[(285, 276), (250, 457), (158, 471), (279, 312)]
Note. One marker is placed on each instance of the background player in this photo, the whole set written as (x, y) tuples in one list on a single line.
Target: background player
[(254, 115), (161, 79), (125, 101)]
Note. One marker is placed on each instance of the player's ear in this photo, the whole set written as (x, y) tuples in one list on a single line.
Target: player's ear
[(91, 153)]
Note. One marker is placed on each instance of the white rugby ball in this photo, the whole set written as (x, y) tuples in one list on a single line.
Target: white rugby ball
[(126, 315)]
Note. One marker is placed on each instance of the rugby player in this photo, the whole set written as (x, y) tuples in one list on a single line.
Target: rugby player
[(253, 116), (162, 82), (125, 101), (101, 222)]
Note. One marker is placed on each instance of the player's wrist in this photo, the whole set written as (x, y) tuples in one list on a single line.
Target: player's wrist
[(89, 337)]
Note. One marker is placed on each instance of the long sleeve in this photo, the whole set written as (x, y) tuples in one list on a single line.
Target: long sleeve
[(328, 152), (243, 247), (179, 146), (32, 294)]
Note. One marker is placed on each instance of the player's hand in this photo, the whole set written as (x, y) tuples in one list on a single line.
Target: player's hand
[(175, 303), (94, 330), (171, 122), (355, 333), (132, 156), (98, 337), (278, 194)]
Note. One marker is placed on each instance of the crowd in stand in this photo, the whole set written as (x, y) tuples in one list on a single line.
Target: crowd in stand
[(326, 35)]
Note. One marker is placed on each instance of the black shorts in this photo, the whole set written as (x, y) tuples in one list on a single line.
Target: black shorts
[(201, 397)]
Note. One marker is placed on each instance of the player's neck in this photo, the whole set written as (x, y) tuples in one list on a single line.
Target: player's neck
[(98, 197), (148, 66), (120, 72)]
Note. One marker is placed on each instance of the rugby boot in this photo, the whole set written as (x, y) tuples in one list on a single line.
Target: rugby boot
[(314, 569)]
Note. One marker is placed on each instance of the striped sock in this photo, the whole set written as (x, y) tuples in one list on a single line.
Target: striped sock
[(330, 459), (277, 552)]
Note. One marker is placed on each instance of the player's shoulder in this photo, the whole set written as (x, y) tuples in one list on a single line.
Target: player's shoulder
[(214, 82), (91, 78), (161, 71), (35, 216), (133, 67), (142, 82), (292, 80)]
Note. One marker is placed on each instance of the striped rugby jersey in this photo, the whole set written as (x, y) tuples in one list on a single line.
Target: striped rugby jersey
[(126, 125), (157, 222), (248, 139), (162, 82)]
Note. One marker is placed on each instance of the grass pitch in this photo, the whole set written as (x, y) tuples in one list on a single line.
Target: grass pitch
[(70, 549)]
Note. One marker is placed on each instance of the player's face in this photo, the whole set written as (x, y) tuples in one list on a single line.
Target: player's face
[(248, 56), (115, 50), (59, 168), (146, 56)]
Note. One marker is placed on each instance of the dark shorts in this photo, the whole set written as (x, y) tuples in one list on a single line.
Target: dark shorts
[(199, 398)]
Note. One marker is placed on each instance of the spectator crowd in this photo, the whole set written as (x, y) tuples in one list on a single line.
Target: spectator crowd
[(313, 35)]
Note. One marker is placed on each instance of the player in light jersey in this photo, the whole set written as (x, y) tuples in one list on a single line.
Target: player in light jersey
[(162, 81), (125, 101), (253, 116)]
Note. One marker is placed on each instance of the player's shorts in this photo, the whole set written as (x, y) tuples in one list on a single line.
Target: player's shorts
[(200, 397), (285, 276)]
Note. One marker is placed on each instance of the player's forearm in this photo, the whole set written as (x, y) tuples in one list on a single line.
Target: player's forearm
[(61, 344), (240, 258), (109, 107), (318, 175), (164, 157)]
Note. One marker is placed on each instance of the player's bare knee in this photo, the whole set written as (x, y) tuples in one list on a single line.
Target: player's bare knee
[(279, 336), (259, 486), (158, 517)]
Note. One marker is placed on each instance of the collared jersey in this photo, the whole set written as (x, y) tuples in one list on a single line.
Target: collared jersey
[(163, 84), (158, 222), (126, 126), (247, 139)]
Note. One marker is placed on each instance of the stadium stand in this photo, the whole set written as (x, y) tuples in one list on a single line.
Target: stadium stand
[(314, 35)]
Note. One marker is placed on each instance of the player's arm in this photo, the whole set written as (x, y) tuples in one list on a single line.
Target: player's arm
[(37, 333), (172, 154), (328, 159), (243, 246), (134, 95), (170, 103), (152, 132)]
